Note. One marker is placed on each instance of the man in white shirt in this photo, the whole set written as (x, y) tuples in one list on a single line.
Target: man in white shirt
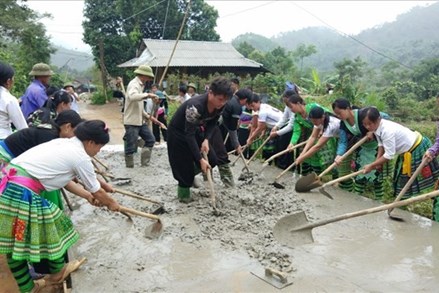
[(133, 118)]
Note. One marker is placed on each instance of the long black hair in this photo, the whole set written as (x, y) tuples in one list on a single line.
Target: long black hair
[(58, 97), (317, 113), (94, 130), (343, 104)]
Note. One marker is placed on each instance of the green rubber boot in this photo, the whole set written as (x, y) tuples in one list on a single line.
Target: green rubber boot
[(184, 194), (226, 175)]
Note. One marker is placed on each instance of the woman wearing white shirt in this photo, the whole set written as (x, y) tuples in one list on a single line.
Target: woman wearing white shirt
[(325, 130), (9, 108), (33, 228), (409, 147)]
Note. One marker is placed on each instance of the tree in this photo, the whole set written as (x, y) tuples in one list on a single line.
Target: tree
[(278, 61), (245, 49), (302, 51), (121, 25), (25, 36)]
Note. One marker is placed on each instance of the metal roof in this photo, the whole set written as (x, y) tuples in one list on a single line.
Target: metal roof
[(190, 54)]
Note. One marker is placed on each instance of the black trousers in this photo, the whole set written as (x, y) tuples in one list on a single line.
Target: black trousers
[(282, 143), (156, 129), (183, 163)]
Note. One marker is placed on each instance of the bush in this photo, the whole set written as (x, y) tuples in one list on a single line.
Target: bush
[(98, 98)]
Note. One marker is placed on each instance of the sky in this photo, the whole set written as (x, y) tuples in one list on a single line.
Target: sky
[(267, 18)]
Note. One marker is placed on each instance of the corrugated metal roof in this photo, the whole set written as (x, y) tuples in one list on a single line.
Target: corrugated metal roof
[(190, 54)]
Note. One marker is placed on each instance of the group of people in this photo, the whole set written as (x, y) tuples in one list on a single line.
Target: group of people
[(50, 148), (226, 118)]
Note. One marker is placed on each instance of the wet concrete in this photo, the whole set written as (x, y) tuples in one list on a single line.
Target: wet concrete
[(203, 253), (199, 252)]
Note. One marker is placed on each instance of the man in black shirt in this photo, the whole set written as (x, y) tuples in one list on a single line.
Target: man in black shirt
[(192, 130)]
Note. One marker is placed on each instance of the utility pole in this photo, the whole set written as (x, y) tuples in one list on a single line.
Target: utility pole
[(103, 68)]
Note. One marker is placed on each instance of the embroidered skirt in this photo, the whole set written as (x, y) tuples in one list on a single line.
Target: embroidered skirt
[(426, 178), (31, 227)]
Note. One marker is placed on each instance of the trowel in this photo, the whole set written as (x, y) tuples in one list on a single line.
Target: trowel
[(273, 277)]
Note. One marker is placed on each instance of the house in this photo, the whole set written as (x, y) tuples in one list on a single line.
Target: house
[(193, 57)]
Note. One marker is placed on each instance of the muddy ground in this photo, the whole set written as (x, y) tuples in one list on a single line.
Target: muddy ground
[(201, 252)]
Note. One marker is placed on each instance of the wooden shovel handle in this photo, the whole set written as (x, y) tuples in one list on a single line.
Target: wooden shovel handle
[(370, 210), (210, 181), (332, 182), (287, 150), (345, 155), (410, 181), (258, 150), (138, 213), (285, 171), (131, 194), (101, 163)]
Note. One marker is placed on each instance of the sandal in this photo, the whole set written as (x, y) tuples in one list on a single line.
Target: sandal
[(69, 268)]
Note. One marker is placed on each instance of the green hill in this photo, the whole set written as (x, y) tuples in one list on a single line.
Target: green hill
[(413, 36), (71, 59)]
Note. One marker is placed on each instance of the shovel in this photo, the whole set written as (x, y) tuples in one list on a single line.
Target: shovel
[(258, 150), (216, 212), (236, 160), (287, 150), (332, 182), (277, 184), (294, 230), (406, 187), (311, 181), (151, 231)]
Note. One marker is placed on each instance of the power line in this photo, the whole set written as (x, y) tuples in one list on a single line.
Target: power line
[(248, 9), (152, 6), (351, 37)]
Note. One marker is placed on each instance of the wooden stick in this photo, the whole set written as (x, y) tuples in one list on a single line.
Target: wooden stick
[(287, 150), (69, 205), (409, 183), (226, 138), (101, 163), (209, 179), (345, 155), (258, 150), (138, 213), (133, 195), (234, 151)]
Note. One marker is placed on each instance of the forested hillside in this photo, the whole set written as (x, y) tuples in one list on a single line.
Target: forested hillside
[(413, 36)]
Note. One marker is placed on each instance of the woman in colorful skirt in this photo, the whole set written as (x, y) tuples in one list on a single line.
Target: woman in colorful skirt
[(323, 135), (431, 154), (409, 147), (33, 228), (351, 131), (302, 130)]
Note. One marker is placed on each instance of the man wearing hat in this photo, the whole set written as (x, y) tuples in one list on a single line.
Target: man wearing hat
[(133, 117), (35, 95), (192, 89), (70, 88)]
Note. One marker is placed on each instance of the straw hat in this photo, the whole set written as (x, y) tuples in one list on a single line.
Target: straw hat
[(41, 69), (144, 70)]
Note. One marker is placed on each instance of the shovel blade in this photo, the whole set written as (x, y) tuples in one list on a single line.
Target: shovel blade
[(308, 182), (325, 193), (285, 230)]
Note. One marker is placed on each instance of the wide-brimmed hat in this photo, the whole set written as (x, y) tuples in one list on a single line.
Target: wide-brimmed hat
[(67, 84), (41, 69), (192, 85), (144, 70)]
